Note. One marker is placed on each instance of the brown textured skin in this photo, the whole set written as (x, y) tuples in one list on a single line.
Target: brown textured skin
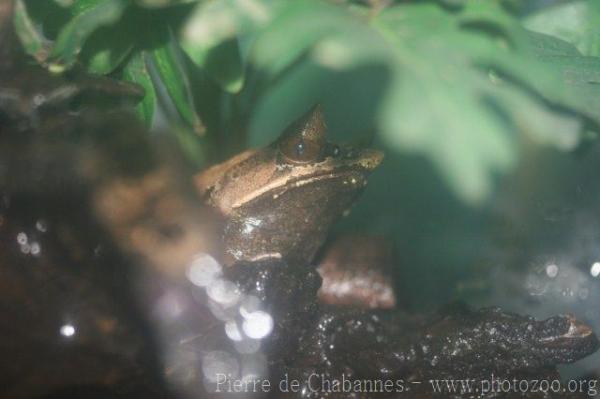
[(282, 209)]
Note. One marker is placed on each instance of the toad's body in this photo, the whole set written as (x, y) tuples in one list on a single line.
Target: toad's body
[(281, 200)]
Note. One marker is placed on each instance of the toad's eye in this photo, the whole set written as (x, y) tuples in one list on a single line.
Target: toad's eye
[(304, 140), (300, 150)]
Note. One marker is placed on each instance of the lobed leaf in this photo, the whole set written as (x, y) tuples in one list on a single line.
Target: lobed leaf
[(441, 100)]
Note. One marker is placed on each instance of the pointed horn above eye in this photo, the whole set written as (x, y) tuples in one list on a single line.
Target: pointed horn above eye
[(304, 139), (309, 127)]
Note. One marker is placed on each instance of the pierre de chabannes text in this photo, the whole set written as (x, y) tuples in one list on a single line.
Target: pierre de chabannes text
[(225, 383)]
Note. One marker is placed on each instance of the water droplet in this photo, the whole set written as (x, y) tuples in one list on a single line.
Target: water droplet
[(223, 292), (203, 270), (233, 331), (22, 238), (67, 330), (35, 249), (257, 325), (552, 270), (41, 225), (595, 269)]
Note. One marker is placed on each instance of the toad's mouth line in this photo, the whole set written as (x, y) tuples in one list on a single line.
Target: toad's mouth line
[(354, 177)]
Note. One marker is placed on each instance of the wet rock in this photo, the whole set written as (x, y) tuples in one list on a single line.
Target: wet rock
[(321, 346), (482, 346)]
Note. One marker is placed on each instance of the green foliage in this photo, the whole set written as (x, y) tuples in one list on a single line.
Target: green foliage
[(87, 17), (136, 71), (172, 73), (211, 41), (32, 39), (125, 39), (457, 82), (576, 22)]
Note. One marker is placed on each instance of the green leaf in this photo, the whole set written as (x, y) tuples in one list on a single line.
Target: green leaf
[(457, 72), (448, 123), (78, 7), (107, 48), (174, 77), (296, 28), (577, 22), (222, 62), (192, 146), (73, 35), (578, 77), (136, 71), (544, 45), (581, 78), (441, 100), (432, 105), (547, 126), (217, 36), (34, 43)]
